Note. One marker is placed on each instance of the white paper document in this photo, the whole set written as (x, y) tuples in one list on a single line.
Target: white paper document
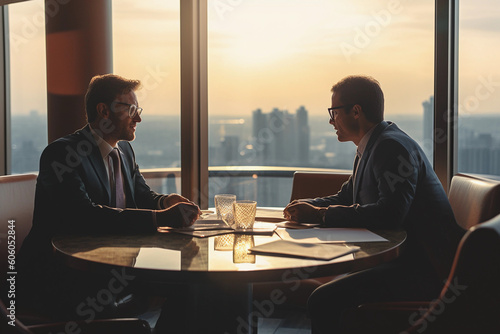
[(269, 214), (329, 235), (303, 250), (158, 258)]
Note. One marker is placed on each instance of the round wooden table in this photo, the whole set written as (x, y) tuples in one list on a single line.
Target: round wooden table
[(217, 272)]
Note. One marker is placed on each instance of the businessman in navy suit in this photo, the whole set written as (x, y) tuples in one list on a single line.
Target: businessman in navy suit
[(393, 186), (80, 189)]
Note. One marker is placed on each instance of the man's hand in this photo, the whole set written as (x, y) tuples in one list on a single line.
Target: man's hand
[(292, 204), (178, 215), (172, 199), (302, 212), (299, 200)]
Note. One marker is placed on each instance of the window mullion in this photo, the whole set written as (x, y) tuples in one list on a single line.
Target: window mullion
[(5, 124), (445, 90), (194, 110)]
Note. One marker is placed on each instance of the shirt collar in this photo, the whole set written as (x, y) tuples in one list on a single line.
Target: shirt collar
[(364, 141), (104, 147)]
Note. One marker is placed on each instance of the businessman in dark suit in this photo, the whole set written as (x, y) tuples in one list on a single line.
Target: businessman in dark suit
[(393, 186), (81, 189)]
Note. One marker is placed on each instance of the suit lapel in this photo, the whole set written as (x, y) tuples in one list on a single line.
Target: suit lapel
[(127, 176), (95, 159), (366, 154)]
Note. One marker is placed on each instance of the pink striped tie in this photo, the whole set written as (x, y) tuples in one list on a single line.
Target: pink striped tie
[(116, 181)]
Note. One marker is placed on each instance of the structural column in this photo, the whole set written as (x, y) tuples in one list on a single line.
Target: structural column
[(194, 113), (79, 46)]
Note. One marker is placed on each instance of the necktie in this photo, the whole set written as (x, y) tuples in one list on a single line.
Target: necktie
[(116, 180), (355, 168)]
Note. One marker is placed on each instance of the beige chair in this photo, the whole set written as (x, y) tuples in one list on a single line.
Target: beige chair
[(17, 194), (17, 197), (474, 199), (317, 184)]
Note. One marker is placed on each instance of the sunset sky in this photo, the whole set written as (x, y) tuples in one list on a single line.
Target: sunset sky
[(279, 53)]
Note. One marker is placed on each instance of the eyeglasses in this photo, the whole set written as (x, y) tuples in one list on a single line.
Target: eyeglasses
[(133, 110), (333, 111)]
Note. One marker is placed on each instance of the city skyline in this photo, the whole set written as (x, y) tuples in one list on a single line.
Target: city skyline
[(277, 53), (158, 141)]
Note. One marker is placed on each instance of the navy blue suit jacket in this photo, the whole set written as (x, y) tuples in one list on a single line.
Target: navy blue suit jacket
[(396, 187), (73, 195)]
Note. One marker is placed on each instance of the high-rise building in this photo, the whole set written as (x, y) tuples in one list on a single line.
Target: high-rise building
[(281, 138), (303, 136), (261, 136), (277, 124)]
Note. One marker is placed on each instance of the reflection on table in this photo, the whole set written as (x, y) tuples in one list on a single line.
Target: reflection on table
[(214, 268), (221, 256)]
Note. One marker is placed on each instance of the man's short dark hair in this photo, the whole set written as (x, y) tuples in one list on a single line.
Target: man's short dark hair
[(104, 89), (365, 91)]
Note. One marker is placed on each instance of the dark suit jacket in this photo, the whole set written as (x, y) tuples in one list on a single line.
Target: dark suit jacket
[(396, 187), (73, 196)]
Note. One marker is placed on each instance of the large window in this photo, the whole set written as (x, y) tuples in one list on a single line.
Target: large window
[(146, 46), (271, 64), (28, 92), (479, 87), (271, 67)]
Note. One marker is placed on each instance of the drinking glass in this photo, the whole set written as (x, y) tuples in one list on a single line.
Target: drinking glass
[(244, 214), (224, 207)]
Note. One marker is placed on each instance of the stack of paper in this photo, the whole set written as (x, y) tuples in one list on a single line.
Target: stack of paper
[(329, 235), (269, 215)]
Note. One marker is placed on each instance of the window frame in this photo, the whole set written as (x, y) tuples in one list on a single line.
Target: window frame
[(445, 90), (5, 120), (194, 97), (194, 101)]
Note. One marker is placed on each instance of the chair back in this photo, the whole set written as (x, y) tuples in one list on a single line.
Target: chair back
[(474, 199), (317, 184), (17, 197), (470, 299)]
